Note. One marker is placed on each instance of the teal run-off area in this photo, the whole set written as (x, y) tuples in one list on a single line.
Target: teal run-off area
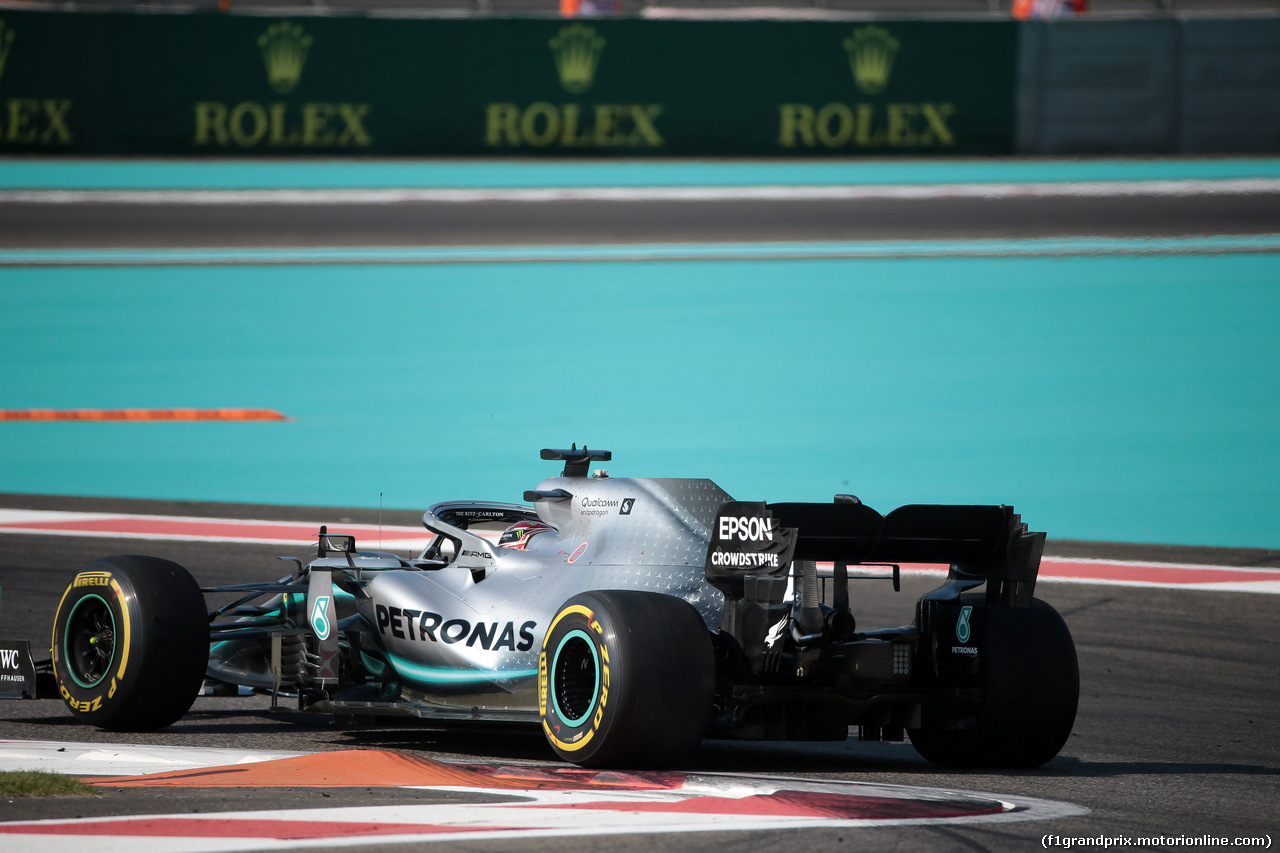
[(109, 174), (1114, 396)]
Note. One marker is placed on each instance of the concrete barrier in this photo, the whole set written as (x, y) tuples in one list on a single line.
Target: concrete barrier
[(1149, 86), (127, 83), (207, 84), (1230, 87), (1098, 87)]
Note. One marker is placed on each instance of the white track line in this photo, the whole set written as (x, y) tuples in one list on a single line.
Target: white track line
[(97, 759), (861, 192), (188, 529)]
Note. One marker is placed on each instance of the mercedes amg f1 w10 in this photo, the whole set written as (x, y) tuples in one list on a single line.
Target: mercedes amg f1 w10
[(629, 618)]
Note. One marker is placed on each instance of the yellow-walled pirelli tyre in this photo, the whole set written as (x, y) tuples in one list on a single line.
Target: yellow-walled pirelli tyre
[(625, 679), (131, 643)]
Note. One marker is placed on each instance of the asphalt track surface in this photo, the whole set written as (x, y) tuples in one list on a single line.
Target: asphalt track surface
[(483, 223), (1177, 732)]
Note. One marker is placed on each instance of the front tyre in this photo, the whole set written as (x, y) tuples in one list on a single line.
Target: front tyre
[(625, 679), (1031, 687), (130, 643)]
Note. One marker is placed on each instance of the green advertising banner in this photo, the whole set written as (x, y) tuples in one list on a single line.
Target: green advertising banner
[(209, 84)]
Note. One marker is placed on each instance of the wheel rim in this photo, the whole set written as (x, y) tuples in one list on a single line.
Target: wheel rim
[(90, 641), (575, 676)]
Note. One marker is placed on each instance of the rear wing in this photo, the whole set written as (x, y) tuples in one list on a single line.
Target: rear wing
[(979, 543)]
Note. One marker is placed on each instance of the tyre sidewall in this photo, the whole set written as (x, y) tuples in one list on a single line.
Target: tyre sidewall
[(1030, 680), (656, 678), (93, 704), (579, 739), (160, 643)]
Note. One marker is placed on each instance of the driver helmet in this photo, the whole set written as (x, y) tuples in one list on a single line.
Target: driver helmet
[(517, 536)]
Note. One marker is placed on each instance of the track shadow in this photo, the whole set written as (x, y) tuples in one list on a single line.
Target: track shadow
[(1115, 769)]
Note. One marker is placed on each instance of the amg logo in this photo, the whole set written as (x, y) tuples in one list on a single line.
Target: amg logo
[(8, 658), (484, 555), (747, 529), (432, 627)]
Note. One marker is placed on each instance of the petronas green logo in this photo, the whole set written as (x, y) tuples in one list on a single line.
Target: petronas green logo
[(962, 624), (320, 617), (577, 51), (871, 53), (284, 49), (6, 43)]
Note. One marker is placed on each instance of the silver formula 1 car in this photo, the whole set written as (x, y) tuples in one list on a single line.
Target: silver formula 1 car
[(628, 617)]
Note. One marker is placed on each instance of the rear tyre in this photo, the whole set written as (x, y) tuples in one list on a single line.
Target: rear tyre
[(625, 679), (1031, 686), (131, 643)]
